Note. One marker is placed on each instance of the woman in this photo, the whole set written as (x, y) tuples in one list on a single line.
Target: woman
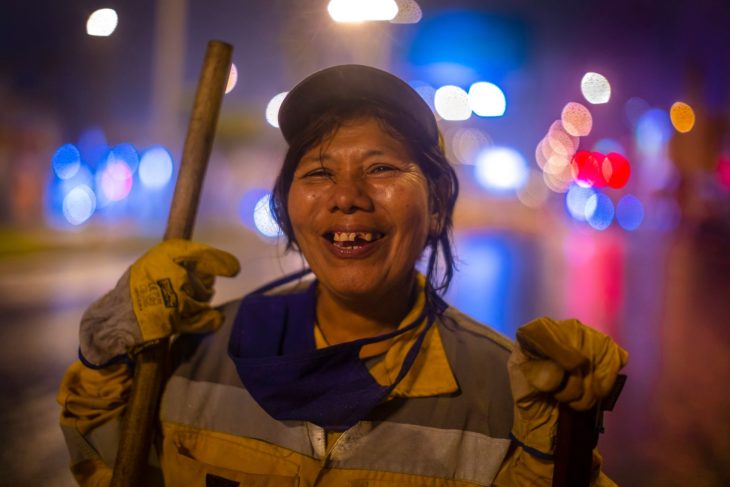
[(360, 376)]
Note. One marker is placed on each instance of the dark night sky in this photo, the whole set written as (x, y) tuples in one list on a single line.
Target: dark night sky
[(645, 46)]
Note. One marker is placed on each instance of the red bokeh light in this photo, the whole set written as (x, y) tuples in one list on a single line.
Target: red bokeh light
[(723, 171), (587, 168), (598, 170), (616, 170)]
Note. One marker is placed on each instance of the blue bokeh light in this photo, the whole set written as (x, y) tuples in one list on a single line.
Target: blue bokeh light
[(93, 146), (629, 212), (127, 153), (599, 211), (155, 167), (66, 161), (576, 200), (490, 46), (653, 130)]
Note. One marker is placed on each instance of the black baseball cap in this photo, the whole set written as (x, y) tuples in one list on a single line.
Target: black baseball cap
[(347, 83)]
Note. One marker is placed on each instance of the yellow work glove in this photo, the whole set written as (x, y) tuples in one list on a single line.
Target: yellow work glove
[(165, 291), (555, 361), (171, 287)]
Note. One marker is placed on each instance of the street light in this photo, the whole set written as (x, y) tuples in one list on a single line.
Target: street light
[(102, 22), (362, 10)]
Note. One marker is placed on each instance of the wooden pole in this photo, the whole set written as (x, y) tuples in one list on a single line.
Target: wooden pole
[(140, 418)]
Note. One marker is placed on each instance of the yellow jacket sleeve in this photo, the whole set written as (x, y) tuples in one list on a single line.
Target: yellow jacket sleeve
[(92, 402), (520, 469)]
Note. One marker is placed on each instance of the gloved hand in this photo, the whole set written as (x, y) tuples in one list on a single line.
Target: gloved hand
[(165, 291), (557, 361)]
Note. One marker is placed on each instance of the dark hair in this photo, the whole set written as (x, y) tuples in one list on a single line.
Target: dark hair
[(443, 185)]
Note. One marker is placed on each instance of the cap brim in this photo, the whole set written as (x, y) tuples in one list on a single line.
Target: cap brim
[(347, 83)]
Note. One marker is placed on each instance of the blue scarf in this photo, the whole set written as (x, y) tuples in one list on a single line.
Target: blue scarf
[(272, 345)]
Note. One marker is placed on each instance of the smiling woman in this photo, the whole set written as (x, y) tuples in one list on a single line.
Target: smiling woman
[(361, 375)]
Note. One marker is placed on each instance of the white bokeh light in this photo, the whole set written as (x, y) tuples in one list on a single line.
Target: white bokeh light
[(501, 168), (79, 204), (487, 99), (452, 103), (102, 22), (362, 10), (232, 78), (272, 109), (263, 219), (155, 167), (595, 88)]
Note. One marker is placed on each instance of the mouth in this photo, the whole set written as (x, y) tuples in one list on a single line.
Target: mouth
[(352, 240)]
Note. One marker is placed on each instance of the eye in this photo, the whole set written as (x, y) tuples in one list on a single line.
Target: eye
[(381, 168), (320, 172)]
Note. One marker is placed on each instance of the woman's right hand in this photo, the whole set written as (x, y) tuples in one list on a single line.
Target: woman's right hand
[(166, 291)]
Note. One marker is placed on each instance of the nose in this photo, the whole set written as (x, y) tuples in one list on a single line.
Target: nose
[(350, 194)]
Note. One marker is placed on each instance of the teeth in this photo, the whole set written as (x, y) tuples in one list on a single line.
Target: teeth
[(351, 236)]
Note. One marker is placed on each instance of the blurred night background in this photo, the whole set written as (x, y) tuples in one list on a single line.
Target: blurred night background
[(591, 140)]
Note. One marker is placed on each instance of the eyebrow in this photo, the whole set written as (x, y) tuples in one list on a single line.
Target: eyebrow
[(325, 157)]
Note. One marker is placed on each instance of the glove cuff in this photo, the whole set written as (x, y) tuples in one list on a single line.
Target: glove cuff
[(108, 327)]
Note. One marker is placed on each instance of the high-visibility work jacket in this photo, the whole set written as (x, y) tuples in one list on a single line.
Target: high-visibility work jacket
[(447, 422)]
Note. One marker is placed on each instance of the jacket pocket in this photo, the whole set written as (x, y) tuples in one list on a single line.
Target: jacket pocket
[(188, 471), (199, 458)]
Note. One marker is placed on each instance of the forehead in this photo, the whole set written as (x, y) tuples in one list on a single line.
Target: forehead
[(366, 134)]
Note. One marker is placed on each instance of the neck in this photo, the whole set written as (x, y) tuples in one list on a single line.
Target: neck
[(343, 319)]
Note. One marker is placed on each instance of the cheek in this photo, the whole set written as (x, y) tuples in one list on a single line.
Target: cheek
[(300, 206)]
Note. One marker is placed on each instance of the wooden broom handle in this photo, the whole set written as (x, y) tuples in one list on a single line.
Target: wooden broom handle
[(140, 418)]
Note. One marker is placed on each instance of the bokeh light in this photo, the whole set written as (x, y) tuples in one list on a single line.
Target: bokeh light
[(534, 193), (559, 181), (629, 212), (723, 171), (127, 153), (155, 167), (452, 103), (599, 211), (682, 116), (487, 99), (560, 141), (595, 88), (272, 109), (653, 129), (501, 169), (409, 12), (362, 10), (116, 180), (93, 146), (79, 204), (587, 168), (576, 119), (466, 144), (232, 78), (576, 201), (615, 170), (102, 22), (263, 219), (66, 161)]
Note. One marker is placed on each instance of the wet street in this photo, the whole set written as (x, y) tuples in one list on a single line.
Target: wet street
[(664, 300)]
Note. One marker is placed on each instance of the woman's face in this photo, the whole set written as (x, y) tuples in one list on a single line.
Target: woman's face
[(358, 206)]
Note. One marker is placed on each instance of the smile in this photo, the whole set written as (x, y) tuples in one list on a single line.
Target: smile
[(352, 244)]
